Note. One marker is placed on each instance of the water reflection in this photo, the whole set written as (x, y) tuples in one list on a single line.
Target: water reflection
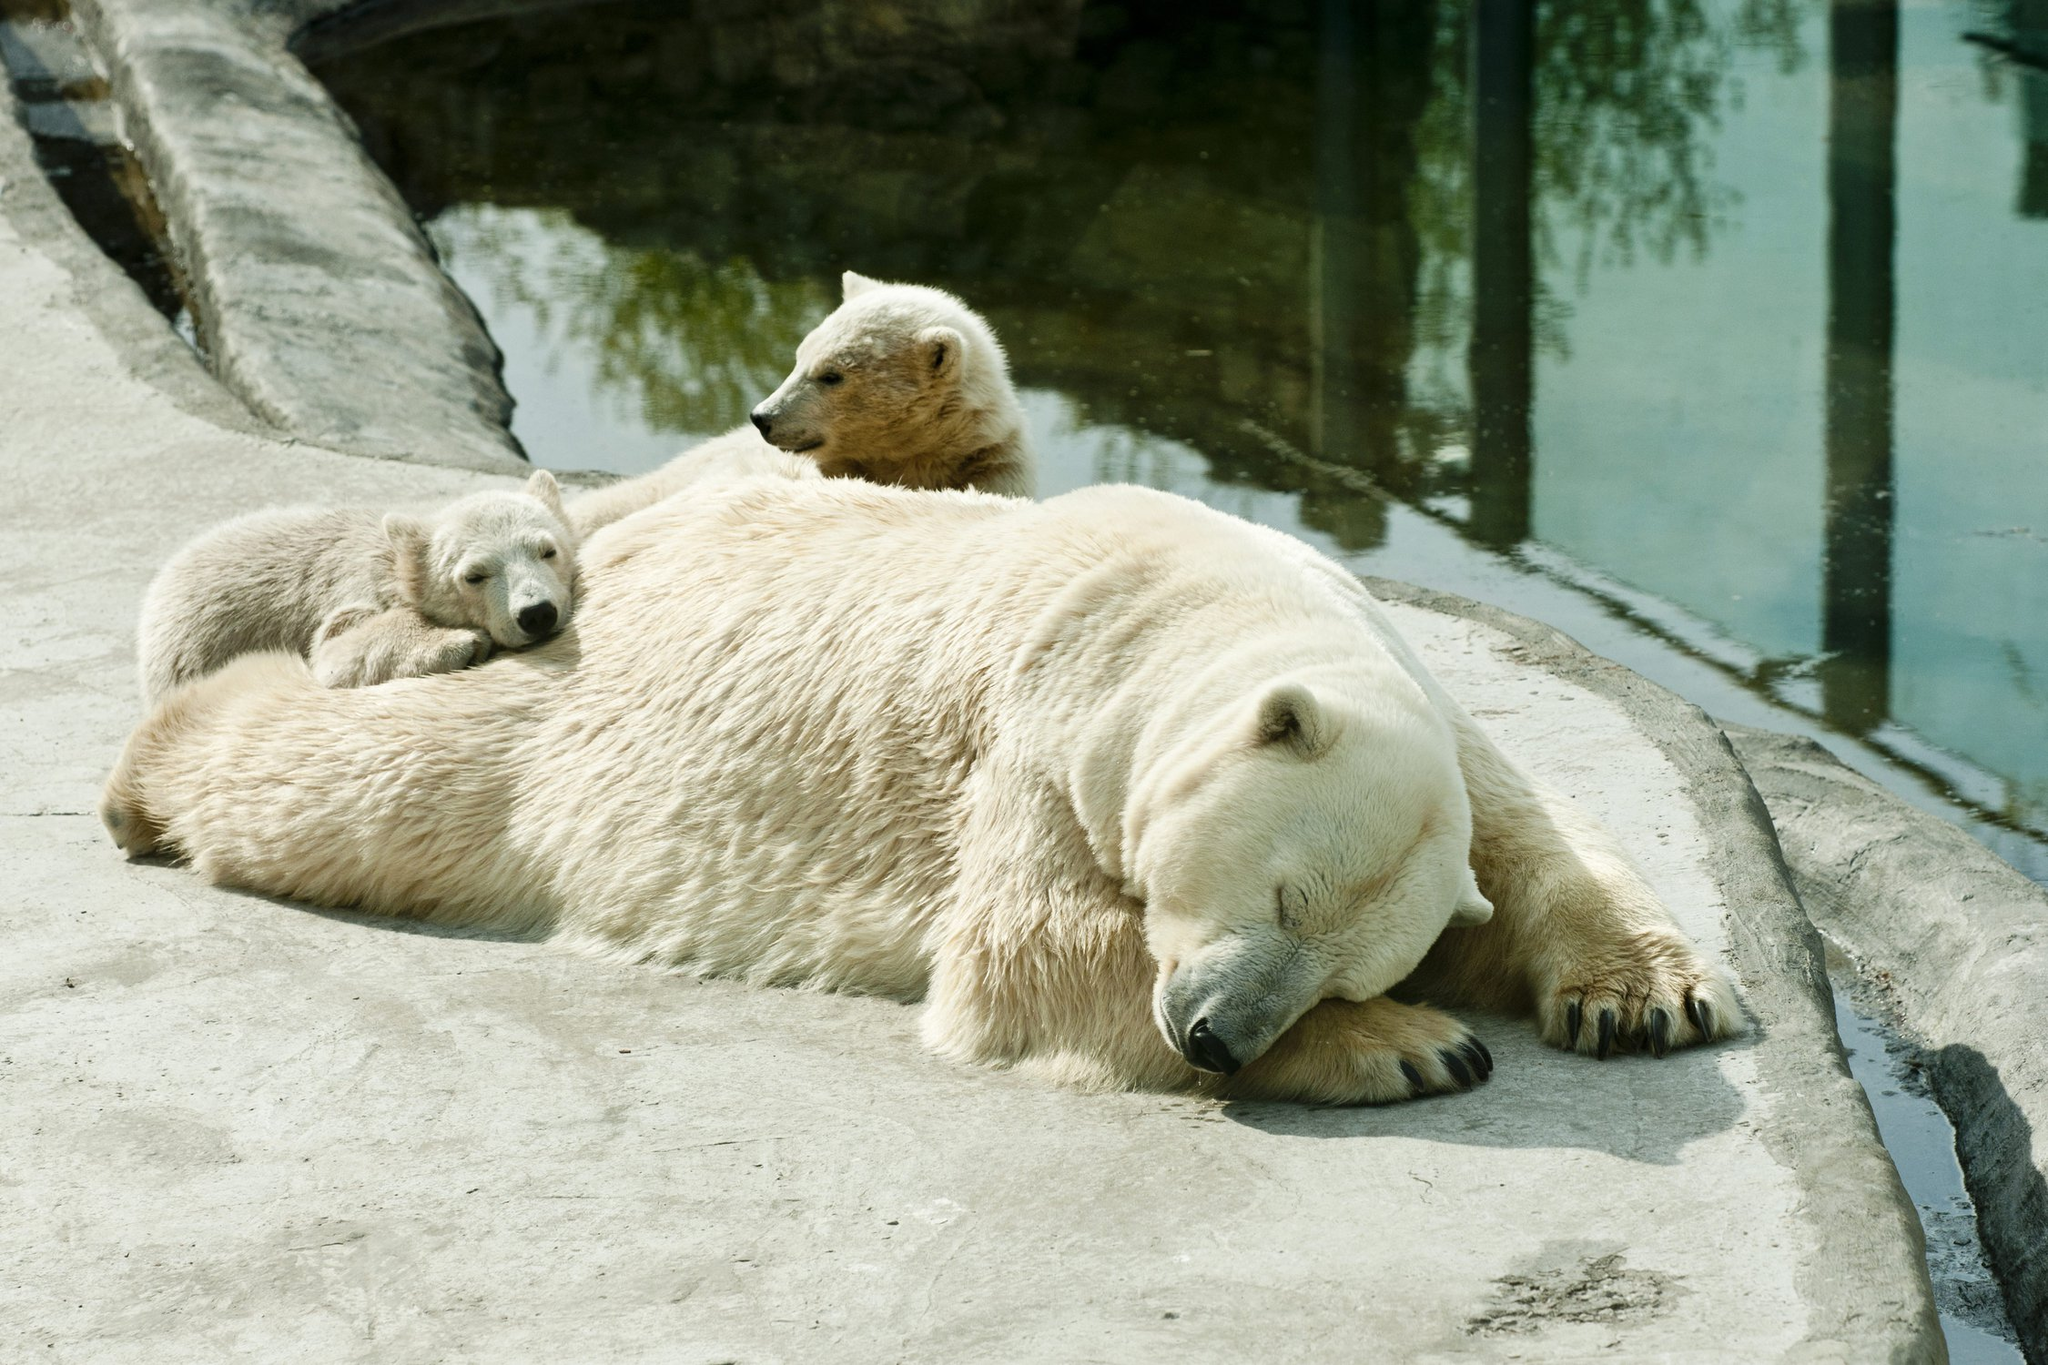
[(1733, 322), (1863, 97)]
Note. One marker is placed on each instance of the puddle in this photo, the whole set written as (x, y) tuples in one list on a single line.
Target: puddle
[(1923, 1148), (78, 145)]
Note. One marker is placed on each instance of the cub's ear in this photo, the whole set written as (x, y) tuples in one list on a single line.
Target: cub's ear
[(852, 286), (1472, 909), (543, 486), (942, 351), (408, 538), (1290, 714)]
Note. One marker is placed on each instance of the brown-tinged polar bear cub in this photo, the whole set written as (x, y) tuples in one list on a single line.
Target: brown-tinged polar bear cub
[(1124, 789), (902, 384), (368, 596)]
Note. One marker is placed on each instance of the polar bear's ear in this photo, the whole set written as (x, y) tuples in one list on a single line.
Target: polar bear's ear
[(852, 286), (543, 486), (1290, 714), (1473, 908), (408, 538), (942, 351)]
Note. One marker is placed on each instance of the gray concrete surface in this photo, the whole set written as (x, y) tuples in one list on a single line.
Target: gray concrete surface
[(318, 299), (1956, 945), (249, 1130)]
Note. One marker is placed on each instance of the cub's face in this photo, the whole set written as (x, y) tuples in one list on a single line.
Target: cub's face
[(502, 563), (881, 367), (1311, 852)]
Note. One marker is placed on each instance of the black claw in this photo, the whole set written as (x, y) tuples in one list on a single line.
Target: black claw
[(1572, 1019), (1706, 1019), (1692, 1015), (1476, 1054), (1414, 1076), (1455, 1064), (1660, 1032), (1606, 1043)]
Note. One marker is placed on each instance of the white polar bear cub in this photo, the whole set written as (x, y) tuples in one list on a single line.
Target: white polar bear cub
[(902, 384), (366, 595), (1123, 789)]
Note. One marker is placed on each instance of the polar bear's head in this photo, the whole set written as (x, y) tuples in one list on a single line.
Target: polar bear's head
[(502, 563), (895, 374), (1315, 847)]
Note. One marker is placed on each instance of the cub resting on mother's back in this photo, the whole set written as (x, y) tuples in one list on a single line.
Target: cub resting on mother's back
[(1126, 790), (366, 595)]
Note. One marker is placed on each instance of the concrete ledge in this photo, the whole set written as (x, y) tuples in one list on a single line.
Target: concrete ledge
[(319, 301), (1958, 943), (1826, 1136)]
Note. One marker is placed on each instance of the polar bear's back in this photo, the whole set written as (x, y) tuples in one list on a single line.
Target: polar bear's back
[(777, 698), (754, 750)]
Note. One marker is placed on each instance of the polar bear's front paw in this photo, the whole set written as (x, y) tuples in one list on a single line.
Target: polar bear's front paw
[(1650, 993), (444, 651), (1365, 1052)]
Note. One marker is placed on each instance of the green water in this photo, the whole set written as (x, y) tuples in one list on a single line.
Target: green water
[(1729, 357)]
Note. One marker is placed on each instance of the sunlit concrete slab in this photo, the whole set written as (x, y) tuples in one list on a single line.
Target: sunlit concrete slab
[(243, 1129)]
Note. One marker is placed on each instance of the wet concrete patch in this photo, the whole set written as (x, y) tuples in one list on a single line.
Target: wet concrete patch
[(1591, 1289)]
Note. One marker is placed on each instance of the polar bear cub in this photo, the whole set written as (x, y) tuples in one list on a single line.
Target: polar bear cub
[(366, 596), (902, 384)]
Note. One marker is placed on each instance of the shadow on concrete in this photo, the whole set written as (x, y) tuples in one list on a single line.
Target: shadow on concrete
[(1996, 1145), (1637, 1108)]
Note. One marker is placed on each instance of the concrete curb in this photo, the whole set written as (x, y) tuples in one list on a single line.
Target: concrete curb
[(1832, 1147), (1958, 943), (319, 301)]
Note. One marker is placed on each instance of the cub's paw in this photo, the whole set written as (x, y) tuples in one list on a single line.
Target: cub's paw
[(1365, 1052), (1650, 992), (443, 651)]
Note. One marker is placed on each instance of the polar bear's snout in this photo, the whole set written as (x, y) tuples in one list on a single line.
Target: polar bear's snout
[(1222, 1008), (1205, 1051), (538, 619)]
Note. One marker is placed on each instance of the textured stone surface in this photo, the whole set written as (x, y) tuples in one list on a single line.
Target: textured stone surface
[(1957, 943), (318, 299)]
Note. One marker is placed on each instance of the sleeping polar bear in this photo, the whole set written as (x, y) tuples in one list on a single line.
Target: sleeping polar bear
[(1126, 790)]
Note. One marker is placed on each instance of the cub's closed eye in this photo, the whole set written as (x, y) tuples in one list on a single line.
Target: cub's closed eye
[(831, 377), (474, 578), (547, 553)]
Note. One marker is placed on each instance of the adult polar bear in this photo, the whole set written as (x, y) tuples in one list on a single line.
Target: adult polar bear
[(1128, 790), (901, 384)]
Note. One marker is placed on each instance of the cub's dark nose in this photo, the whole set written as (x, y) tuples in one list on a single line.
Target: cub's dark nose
[(762, 422), (1205, 1050), (538, 619)]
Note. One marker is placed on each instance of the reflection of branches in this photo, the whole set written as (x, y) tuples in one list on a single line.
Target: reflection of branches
[(1626, 93), (692, 345)]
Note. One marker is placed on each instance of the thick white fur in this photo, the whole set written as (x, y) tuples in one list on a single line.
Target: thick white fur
[(922, 399), (1071, 772), (368, 596)]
